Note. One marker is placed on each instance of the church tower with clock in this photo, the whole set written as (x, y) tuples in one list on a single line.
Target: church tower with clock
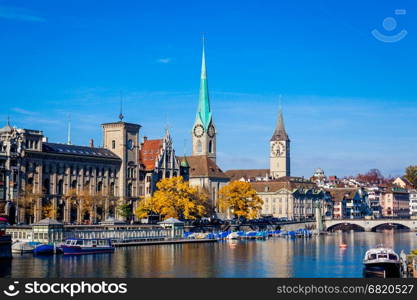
[(204, 131), (279, 152)]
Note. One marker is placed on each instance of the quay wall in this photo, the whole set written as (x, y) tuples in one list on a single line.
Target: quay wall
[(5, 247)]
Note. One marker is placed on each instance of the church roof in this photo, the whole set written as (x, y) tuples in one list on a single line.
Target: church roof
[(280, 134), (149, 153), (78, 150), (247, 174), (287, 182), (204, 111), (203, 166)]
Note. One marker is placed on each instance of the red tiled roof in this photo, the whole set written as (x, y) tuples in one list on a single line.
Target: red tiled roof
[(149, 152)]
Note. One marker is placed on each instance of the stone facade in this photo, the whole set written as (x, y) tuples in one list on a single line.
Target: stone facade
[(158, 161), (292, 198), (36, 174)]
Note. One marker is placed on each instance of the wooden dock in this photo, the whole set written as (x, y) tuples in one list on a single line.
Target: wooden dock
[(162, 242)]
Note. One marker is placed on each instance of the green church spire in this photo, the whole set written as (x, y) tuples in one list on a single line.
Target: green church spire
[(204, 111)]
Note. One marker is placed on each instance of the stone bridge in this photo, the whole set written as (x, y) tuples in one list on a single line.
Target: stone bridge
[(369, 225)]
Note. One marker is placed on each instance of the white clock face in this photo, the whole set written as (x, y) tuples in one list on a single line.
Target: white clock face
[(275, 149), (198, 130)]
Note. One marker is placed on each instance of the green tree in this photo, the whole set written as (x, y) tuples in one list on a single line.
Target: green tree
[(411, 175), (124, 210)]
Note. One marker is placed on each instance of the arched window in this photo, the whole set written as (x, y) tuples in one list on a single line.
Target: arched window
[(46, 187), (60, 187), (211, 147), (100, 188), (74, 184), (129, 190), (199, 147), (112, 189)]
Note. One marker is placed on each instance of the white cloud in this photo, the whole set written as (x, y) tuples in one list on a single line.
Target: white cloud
[(165, 60), (23, 111), (19, 14)]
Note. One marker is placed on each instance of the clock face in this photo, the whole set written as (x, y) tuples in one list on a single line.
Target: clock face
[(198, 130), (275, 149), (211, 131), (282, 147), (130, 144)]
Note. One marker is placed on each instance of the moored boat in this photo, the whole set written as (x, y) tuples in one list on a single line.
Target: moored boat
[(76, 246), (385, 260), (44, 249), (24, 247)]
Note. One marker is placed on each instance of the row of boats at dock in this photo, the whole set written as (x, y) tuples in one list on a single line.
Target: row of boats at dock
[(69, 247), (248, 235), (76, 246)]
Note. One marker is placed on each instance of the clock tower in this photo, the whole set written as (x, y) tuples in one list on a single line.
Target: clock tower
[(204, 132), (279, 151)]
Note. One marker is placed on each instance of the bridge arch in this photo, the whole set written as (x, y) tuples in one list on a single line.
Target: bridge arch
[(391, 224), (345, 224), (370, 225)]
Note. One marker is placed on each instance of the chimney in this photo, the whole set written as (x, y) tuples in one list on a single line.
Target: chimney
[(145, 138), (91, 143)]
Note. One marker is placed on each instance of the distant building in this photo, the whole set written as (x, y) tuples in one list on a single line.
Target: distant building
[(49, 173), (402, 182), (248, 175), (374, 200), (293, 198), (413, 202), (349, 203), (395, 202)]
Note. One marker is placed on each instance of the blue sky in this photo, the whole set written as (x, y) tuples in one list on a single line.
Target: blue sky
[(350, 100)]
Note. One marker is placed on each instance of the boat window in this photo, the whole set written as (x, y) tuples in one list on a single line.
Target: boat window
[(393, 257), (94, 242), (79, 243), (73, 243), (382, 256), (68, 242), (372, 256)]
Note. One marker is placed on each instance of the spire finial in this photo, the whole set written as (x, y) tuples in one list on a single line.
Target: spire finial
[(121, 117), (69, 130), (8, 120)]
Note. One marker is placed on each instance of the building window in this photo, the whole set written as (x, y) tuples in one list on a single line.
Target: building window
[(199, 147), (211, 147), (113, 144)]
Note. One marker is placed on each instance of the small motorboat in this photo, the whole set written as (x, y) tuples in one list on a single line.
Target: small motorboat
[(233, 236), (74, 246), (44, 249), (24, 247), (384, 260)]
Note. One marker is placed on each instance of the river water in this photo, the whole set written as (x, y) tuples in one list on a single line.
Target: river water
[(276, 257)]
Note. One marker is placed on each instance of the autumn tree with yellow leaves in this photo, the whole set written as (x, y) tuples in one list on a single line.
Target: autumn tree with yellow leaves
[(174, 198), (240, 199)]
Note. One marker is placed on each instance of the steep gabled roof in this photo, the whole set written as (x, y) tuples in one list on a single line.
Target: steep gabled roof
[(203, 166), (149, 152)]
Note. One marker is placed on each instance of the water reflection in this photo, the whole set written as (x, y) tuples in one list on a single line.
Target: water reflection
[(279, 257)]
